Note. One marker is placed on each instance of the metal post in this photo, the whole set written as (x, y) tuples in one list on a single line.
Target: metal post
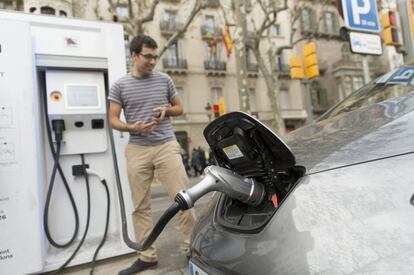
[(308, 100), (365, 66), (406, 27)]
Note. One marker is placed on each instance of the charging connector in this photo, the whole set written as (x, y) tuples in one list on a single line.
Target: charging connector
[(58, 126), (79, 170)]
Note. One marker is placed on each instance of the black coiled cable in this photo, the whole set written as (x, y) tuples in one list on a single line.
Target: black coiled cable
[(56, 167), (88, 215), (106, 227)]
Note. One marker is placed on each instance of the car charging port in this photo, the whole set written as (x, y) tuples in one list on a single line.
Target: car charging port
[(239, 216)]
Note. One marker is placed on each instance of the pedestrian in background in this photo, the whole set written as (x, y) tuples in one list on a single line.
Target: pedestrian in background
[(202, 157), (195, 162), (149, 99), (184, 157)]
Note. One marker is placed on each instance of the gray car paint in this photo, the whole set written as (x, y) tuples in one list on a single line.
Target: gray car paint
[(369, 133), (352, 220), (349, 220)]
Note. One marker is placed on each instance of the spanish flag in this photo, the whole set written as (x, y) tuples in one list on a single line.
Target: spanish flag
[(228, 43)]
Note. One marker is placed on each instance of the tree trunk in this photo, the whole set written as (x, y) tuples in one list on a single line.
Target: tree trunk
[(273, 87), (240, 51)]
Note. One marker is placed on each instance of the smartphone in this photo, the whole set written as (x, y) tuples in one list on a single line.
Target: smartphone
[(156, 114)]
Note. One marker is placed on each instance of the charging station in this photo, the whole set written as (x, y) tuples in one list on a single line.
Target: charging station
[(55, 69)]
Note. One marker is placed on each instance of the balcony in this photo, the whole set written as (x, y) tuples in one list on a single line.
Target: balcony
[(283, 70), (252, 69), (213, 3), (215, 67), (334, 34), (168, 28), (175, 66), (209, 32)]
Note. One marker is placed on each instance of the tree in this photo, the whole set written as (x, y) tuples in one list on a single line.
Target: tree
[(260, 43), (141, 12)]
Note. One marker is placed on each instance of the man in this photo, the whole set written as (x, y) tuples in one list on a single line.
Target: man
[(149, 98)]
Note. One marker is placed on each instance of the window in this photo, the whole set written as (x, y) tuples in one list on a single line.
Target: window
[(169, 16), (250, 58), (329, 22), (306, 19), (168, 23), (282, 64), (339, 90), (347, 86), (122, 12), (209, 23), (321, 97), (284, 99), (216, 93), (182, 95), (358, 82), (172, 55), (213, 50), (252, 99), (275, 30), (47, 10), (62, 13), (31, 10)]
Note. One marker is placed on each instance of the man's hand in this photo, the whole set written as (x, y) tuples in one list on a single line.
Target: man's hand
[(162, 111), (140, 127)]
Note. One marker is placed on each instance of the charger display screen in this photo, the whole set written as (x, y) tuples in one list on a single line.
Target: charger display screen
[(82, 96)]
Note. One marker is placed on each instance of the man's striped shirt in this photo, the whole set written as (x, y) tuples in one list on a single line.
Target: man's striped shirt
[(138, 97)]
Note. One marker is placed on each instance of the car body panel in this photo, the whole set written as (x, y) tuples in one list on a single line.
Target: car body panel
[(348, 220), (351, 213), (369, 133)]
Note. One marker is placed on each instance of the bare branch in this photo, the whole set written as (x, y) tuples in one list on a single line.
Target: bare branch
[(198, 6)]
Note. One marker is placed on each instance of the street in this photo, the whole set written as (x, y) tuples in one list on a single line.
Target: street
[(170, 259)]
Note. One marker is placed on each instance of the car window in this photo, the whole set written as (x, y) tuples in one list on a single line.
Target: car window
[(377, 91)]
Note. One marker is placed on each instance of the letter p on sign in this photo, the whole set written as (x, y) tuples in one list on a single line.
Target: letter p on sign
[(358, 10)]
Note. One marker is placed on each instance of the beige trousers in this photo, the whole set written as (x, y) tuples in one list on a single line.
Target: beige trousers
[(165, 160)]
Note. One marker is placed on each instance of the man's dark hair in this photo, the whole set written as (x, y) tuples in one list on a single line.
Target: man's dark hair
[(142, 40)]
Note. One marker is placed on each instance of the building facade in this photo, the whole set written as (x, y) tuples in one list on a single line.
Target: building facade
[(203, 72)]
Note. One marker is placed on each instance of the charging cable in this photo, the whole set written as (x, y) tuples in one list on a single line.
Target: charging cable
[(88, 215), (103, 181), (58, 128)]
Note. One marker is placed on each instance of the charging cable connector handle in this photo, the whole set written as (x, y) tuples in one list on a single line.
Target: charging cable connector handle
[(220, 179), (58, 126)]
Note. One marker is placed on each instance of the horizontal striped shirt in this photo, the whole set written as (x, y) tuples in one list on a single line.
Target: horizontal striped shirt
[(138, 96)]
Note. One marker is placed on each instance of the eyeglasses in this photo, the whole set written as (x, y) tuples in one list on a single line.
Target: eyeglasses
[(149, 56)]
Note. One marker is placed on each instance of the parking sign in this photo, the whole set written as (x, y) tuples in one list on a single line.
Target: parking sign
[(361, 15)]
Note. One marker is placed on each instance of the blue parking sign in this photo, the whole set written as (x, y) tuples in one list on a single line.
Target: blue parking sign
[(403, 75), (361, 15)]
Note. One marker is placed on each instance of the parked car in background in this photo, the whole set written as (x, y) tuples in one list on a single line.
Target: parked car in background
[(339, 192)]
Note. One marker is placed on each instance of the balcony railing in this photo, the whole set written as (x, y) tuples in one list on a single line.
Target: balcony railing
[(215, 65), (283, 68), (170, 63), (213, 3), (209, 32), (252, 67), (250, 35), (170, 27)]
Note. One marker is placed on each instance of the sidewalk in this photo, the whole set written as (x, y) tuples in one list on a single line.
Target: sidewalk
[(171, 260)]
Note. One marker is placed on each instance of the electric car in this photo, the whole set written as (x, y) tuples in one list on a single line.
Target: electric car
[(338, 193)]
